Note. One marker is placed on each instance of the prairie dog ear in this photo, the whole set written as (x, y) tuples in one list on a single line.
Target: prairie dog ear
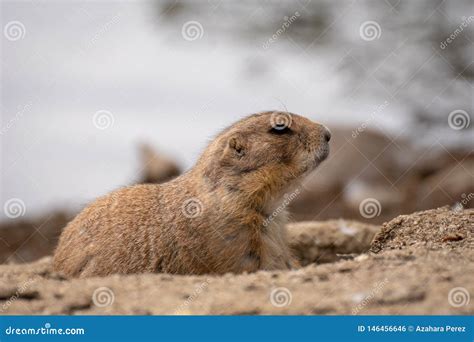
[(236, 146)]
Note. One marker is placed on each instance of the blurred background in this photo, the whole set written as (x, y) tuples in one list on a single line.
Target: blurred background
[(99, 95)]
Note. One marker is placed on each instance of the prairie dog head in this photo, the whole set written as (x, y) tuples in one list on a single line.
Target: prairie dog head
[(265, 152)]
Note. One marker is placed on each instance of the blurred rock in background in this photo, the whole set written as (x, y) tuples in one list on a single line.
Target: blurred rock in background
[(28, 240), (155, 167), (398, 177)]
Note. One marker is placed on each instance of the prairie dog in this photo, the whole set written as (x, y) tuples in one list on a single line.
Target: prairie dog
[(211, 220)]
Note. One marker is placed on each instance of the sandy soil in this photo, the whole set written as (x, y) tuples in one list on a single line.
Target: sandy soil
[(421, 263)]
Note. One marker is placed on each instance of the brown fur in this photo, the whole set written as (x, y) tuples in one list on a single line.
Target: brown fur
[(237, 183)]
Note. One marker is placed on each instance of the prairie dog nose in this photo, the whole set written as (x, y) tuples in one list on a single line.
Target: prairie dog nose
[(326, 134)]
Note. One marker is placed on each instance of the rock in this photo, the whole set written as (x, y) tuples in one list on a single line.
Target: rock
[(453, 185), (431, 229), (361, 165), (28, 240), (329, 241), (400, 177), (157, 168)]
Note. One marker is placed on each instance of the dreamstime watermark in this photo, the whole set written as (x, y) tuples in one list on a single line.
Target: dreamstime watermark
[(459, 206), (280, 297), (370, 208), (19, 114), (284, 27), (5, 242), (281, 120), (197, 291), (362, 127), (370, 30), (103, 296), (214, 3), (192, 208), (103, 119), (364, 301), (14, 208), (287, 199), (192, 30), (459, 119), (19, 292), (465, 22), (14, 30), (202, 111), (459, 296), (46, 330), (103, 30)]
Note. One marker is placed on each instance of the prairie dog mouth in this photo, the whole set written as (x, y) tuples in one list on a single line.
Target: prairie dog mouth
[(322, 153)]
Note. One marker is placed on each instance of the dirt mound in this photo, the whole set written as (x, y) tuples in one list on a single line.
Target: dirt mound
[(329, 241), (424, 275), (441, 228)]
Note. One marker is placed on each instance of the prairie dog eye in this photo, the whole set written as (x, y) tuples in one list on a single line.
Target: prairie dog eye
[(280, 129)]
